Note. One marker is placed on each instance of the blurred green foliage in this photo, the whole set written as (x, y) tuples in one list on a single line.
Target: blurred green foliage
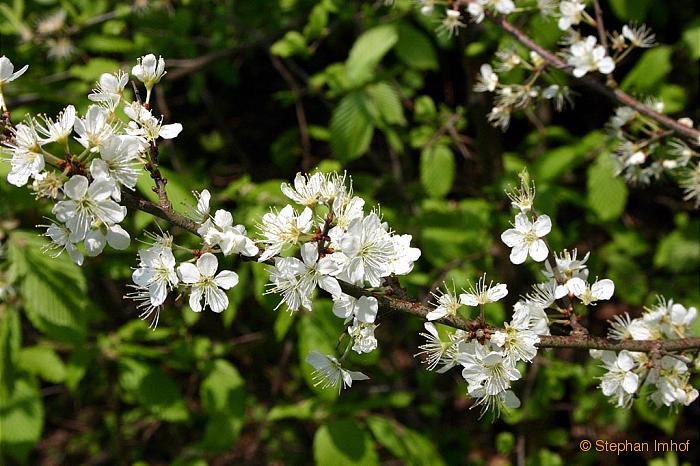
[(265, 89)]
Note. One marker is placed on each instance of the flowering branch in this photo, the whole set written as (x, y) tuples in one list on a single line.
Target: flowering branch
[(613, 93)]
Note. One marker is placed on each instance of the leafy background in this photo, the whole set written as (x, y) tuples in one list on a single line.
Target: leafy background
[(83, 381)]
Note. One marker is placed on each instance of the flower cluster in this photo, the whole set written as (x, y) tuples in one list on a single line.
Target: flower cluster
[(667, 376), (337, 242), (83, 163)]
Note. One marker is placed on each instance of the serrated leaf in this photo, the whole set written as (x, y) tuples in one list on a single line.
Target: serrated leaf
[(387, 102), (368, 50), (437, 170), (223, 398), (343, 443), (607, 194), (21, 418), (415, 49), (10, 342), (43, 362), (54, 289), (404, 443), (152, 389), (352, 127)]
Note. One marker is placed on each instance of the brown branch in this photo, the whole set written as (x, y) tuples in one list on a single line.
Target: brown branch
[(614, 94), (297, 92), (389, 303), (602, 35), (133, 201)]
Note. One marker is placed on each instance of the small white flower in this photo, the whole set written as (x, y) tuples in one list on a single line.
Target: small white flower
[(149, 70), (60, 241), (364, 309), (283, 228), (438, 352), (525, 238), (571, 13), (147, 127), (401, 261), (306, 190), (585, 56), (476, 10), (7, 71), (221, 232), (504, 7), (205, 284), (200, 213), (95, 128), (518, 341), (624, 328), (110, 89), (156, 274), (639, 36), (451, 23), (620, 382), (483, 294), (296, 280), (367, 251), (447, 305), (601, 290), (87, 203), (27, 160), (97, 238), (59, 130), (329, 373), (488, 80), (362, 334), (490, 370)]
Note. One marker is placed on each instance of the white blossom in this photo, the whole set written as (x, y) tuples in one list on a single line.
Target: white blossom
[(362, 334), (279, 229), (8, 73), (206, 283), (620, 382), (600, 290), (27, 160), (447, 305), (571, 13), (585, 56), (87, 203), (481, 293), (488, 80), (60, 241), (110, 89), (149, 70), (525, 238), (220, 231), (59, 130), (329, 372), (95, 128)]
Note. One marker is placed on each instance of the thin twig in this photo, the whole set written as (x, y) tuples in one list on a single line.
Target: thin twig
[(612, 93)]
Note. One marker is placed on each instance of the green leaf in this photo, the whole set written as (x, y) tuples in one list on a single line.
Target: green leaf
[(352, 126), (650, 71), (293, 43), (368, 50), (44, 362), (388, 103), (318, 20), (560, 160), (92, 70), (152, 389), (631, 10), (607, 194), (21, 418), (54, 289), (437, 170), (415, 49), (691, 39), (10, 342), (223, 399), (679, 251), (404, 443), (343, 443)]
